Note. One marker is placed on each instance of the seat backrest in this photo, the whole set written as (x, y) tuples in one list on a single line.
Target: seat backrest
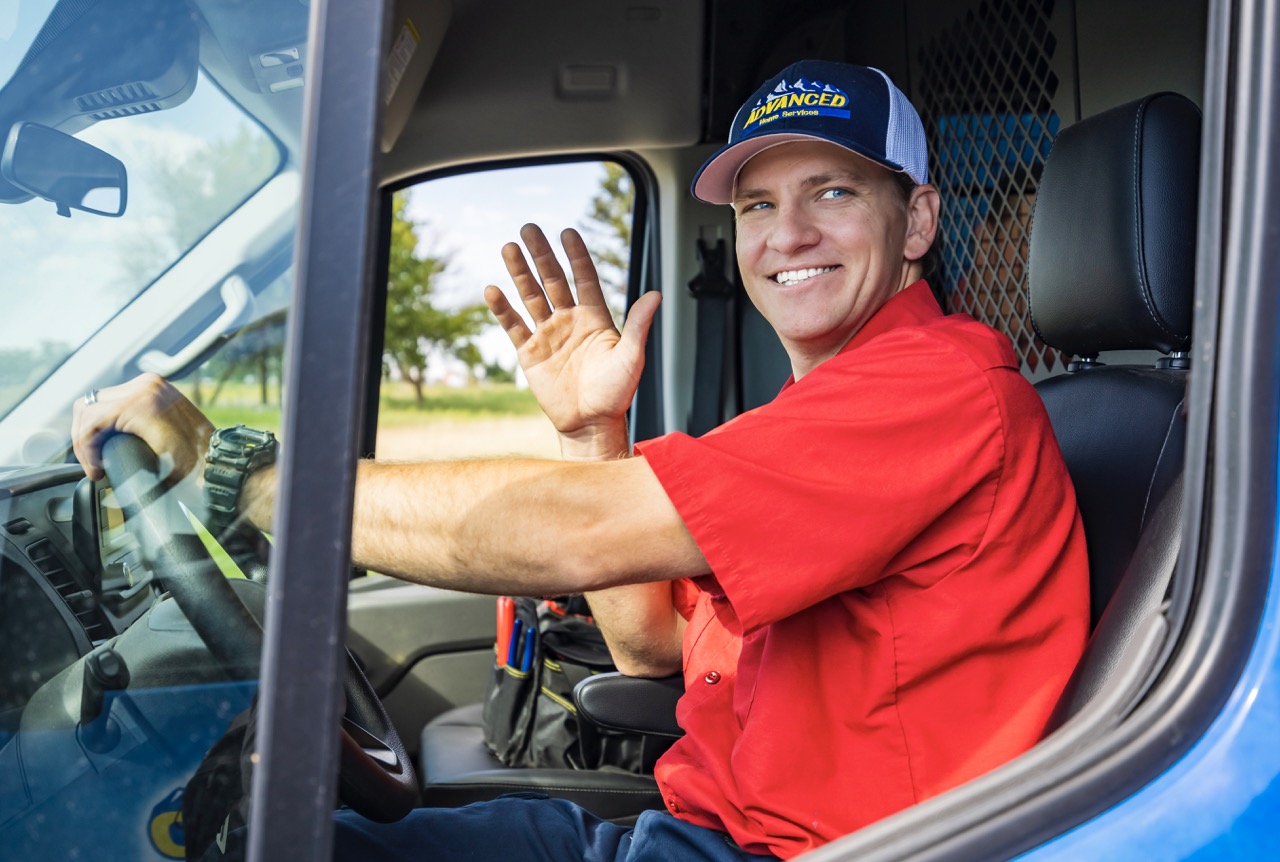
[(1112, 268)]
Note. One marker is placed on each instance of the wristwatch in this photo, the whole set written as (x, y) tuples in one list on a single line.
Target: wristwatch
[(233, 454)]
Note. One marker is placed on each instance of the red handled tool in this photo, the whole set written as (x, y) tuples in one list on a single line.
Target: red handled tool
[(506, 619)]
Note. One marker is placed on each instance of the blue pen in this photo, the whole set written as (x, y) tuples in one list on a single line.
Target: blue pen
[(526, 663), (514, 644)]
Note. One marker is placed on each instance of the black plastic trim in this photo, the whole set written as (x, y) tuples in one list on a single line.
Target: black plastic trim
[(648, 417), (295, 785), (377, 331), (38, 479)]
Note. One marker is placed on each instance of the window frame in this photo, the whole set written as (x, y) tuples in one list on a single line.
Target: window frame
[(295, 786), (645, 419)]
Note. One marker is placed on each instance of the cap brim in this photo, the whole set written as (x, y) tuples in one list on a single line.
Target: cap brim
[(714, 184)]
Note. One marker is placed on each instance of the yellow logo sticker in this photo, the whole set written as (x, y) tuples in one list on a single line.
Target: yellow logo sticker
[(165, 828), (799, 98)]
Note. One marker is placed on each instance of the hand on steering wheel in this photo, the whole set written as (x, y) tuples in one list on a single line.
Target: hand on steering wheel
[(377, 777)]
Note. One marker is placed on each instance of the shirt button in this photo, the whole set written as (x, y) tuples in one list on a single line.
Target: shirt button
[(712, 677)]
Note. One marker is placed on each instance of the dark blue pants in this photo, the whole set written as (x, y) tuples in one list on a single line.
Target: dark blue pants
[(528, 828)]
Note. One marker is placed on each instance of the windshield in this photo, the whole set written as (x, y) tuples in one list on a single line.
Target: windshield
[(187, 168), (149, 198), (199, 168)]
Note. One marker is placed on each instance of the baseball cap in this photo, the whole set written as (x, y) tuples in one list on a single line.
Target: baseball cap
[(855, 107)]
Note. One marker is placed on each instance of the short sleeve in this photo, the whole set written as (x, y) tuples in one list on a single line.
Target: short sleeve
[(876, 463)]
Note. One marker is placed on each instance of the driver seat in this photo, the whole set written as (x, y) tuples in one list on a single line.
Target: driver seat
[(456, 767), (1112, 267)]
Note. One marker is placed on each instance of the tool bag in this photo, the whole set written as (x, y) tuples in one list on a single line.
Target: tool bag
[(529, 716)]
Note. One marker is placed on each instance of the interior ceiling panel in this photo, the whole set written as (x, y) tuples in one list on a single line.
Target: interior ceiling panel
[(631, 76)]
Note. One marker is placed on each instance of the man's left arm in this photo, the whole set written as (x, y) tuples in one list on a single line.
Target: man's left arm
[(518, 527)]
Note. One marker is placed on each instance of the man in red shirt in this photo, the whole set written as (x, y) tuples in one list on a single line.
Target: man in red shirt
[(875, 585)]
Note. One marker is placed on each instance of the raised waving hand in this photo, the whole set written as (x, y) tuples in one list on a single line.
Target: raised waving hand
[(580, 368)]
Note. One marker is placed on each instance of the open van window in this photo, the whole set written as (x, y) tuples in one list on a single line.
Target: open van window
[(451, 386)]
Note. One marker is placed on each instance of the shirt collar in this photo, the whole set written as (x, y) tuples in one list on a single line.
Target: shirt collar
[(911, 306)]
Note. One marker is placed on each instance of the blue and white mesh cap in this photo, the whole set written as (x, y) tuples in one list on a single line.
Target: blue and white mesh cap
[(855, 107)]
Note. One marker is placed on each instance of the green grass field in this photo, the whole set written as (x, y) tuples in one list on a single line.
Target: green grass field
[(239, 403)]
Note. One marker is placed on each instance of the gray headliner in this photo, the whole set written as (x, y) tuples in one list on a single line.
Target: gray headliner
[(476, 105)]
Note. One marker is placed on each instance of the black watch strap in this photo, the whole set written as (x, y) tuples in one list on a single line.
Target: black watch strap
[(233, 454)]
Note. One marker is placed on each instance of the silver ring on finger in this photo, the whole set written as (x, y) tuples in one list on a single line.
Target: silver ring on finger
[(91, 397)]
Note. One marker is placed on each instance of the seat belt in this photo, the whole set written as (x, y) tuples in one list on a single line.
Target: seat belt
[(712, 289)]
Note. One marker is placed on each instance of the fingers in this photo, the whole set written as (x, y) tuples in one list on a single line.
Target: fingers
[(549, 270), (86, 436), (550, 289), (585, 277), (91, 423), (508, 318), (149, 407), (635, 329), (527, 286)]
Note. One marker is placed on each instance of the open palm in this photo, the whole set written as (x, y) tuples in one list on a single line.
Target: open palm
[(580, 368)]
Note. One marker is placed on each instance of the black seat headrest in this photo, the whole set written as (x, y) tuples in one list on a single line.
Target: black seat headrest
[(1112, 263)]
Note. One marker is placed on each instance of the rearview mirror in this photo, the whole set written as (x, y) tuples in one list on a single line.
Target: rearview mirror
[(66, 170)]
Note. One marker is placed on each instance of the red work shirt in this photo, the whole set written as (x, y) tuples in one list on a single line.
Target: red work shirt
[(898, 587)]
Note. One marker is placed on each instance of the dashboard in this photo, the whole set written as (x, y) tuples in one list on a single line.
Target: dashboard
[(109, 699), (71, 577)]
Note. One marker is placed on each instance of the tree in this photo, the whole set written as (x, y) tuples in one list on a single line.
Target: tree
[(607, 230), (415, 325), (496, 372), (257, 350)]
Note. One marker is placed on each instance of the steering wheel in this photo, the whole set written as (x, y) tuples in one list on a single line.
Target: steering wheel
[(377, 777)]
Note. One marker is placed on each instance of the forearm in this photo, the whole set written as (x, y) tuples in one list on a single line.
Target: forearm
[(518, 527), (639, 621), (641, 626)]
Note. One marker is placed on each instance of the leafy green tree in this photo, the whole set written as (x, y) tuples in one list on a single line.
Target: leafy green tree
[(496, 372), (416, 326), (607, 230), (256, 351), (469, 355)]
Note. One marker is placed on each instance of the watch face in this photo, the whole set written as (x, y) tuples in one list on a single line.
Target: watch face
[(238, 450), (244, 436)]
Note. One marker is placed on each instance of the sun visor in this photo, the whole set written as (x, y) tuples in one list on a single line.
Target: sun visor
[(417, 27)]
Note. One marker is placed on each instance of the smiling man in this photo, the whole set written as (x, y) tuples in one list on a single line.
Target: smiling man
[(825, 239), (875, 585)]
